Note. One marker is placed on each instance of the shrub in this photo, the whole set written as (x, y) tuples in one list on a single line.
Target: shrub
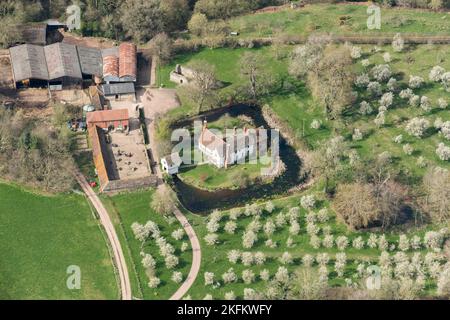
[(357, 135), (414, 100), (362, 80), (408, 149), (269, 227), (328, 241), (443, 152), (322, 215), (177, 277), (209, 278), (417, 127), (380, 119), (308, 260), (406, 93), (178, 234), (381, 72), (211, 239), (398, 139), (248, 239), (445, 130), (355, 52), (342, 242), (398, 43), (442, 103), (403, 243), (154, 282), (229, 276), (308, 201), (247, 258), (365, 63), (436, 73), (392, 84), (286, 258), (358, 243), (230, 227), (264, 275), (259, 258), (230, 295), (365, 108), (425, 104), (248, 276), (171, 261), (387, 99), (415, 82), (234, 256), (316, 124), (374, 88)]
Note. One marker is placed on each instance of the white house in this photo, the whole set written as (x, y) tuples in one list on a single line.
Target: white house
[(223, 153), (171, 164)]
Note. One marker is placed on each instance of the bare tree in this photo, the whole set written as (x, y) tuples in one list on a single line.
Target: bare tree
[(436, 184), (203, 83)]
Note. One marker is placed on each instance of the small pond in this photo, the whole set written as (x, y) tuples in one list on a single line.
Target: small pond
[(202, 202)]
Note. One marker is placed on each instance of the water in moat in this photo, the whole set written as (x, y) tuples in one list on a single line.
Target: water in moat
[(203, 202)]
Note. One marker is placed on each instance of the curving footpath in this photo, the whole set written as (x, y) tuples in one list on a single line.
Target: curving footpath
[(196, 256), (195, 244), (119, 259)]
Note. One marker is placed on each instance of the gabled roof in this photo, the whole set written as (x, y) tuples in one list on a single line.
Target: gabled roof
[(90, 61), (173, 160), (28, 62), (118, 88), (107, 116), (213, 142), (62, 61), (35, 33), (127, 61)]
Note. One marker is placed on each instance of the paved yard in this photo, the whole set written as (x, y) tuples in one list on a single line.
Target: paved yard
[(127, 154), (156, 101)]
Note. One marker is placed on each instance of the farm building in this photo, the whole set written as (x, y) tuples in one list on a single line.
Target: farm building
[(171, 163), (109, 119), (120, 63), (61, 65), (119, 91), (35, 33)]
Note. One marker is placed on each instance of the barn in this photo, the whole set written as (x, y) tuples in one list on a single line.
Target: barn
[(109, 119)]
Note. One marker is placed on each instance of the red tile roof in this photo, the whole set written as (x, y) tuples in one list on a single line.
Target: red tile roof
[(127, 60), (107, 116), (111, 66)]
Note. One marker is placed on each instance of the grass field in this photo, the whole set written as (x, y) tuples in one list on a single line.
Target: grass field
[(214, 258), (128, 208), (40, 237), (298, 109), (327, 18)]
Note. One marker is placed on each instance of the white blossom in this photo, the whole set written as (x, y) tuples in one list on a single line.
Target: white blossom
[(177, 277)]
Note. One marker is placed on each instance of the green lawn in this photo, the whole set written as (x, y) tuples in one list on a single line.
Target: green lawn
[(128, 208), (40, 237), (327, 18), (209, 177)]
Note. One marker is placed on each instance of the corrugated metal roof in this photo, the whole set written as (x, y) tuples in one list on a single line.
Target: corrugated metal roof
[(127, 60), (90, 61), (28, 62), (34, 34), (118, 88), (62, 61), (107, 116), (114, 51)]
